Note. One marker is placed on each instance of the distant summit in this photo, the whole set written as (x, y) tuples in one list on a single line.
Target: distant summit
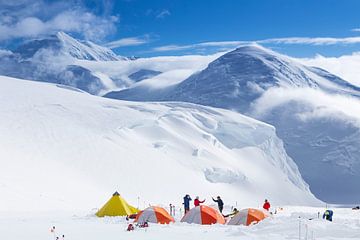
[(63, 44), (239, 77), (56, 58)]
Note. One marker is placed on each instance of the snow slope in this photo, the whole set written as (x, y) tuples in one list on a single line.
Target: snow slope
[(315, 112), (61, 148)]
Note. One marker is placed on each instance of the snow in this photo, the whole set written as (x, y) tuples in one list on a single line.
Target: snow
[(306, 105), (81, 225), (65, 149), (63, 44)]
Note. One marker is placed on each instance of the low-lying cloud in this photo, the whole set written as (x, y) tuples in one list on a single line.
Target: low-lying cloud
[(346, 67), (322, 105)]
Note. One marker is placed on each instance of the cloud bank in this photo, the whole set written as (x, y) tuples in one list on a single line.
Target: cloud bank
[(346, 67), (323, 105), (25, 18)]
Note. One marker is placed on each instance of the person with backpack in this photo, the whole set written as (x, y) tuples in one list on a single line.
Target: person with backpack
[(328, 214), (220, 203), (197, 201), (186, 203)]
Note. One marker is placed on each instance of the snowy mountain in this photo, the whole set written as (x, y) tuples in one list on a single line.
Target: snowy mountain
[(321, 137), (54, 59), (90, 67), (61, 148), (63, 44)]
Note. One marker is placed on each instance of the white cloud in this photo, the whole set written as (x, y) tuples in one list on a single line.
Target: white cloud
[(172, 48), (355, 30), (164, 13), (4, 53), (322, 105), (131, 41), (346, 67), (289, 40), (224, 45), (34, 18), (312, 41)]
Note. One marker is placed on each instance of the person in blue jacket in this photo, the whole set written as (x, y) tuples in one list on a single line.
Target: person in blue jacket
[(328, 214), (186, 203)]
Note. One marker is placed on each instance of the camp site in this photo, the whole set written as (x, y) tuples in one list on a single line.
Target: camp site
[(179, 119)]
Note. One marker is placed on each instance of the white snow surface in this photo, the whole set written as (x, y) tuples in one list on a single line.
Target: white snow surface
[(281, 226), (61, 148)]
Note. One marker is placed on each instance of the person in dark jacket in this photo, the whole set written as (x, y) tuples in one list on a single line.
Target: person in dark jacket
[(186, 203), (220, 203), (328, 214)]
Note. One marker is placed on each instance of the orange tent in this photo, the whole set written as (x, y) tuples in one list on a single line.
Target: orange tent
[(247, 217), (154, 215), (203, 215)]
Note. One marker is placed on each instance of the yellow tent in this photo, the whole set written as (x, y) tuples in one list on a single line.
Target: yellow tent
[(116, 206)]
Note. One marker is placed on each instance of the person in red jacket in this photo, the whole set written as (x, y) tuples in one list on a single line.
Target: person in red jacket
[(197, 201), (266, 205)]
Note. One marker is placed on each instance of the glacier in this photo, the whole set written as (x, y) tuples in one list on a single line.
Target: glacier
[(62, 148)]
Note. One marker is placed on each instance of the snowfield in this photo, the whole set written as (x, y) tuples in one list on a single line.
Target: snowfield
[(61, 148), (316, 113), (284, 225)]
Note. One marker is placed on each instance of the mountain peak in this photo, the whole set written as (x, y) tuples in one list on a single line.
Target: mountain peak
[(65, 38), (63, 44)]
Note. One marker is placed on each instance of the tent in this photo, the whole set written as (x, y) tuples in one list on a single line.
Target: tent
[(247, 217), (116, 206), (154, 215), (204, 215)]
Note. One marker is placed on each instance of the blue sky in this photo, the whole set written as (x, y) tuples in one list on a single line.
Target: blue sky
[(300, 28)]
